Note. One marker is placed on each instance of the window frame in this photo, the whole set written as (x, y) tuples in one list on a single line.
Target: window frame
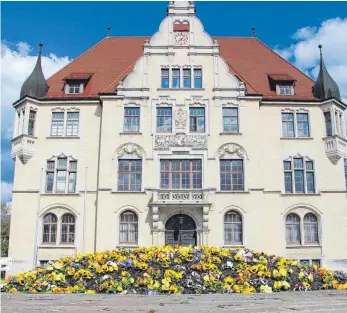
[(132, 117), (197, 77), (51, 224), (157, 109), (164, 77), (230, 119), (32, 120), (62, 223), (328, 122), (196, 118), (185, 76), (129, 174), (74, 86), (57, 169), (231, 160), (315, 236), (175, 77), (241, 222), (72, 120), (297, 224), (60, 120), (305, 171), (128, 243), (296, 130)]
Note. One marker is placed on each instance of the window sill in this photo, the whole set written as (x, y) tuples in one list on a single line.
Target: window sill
[(234, 246), (231, 191), (23, 135), (230, 133), (127, 192), (54, 246), (130, 133), (181, 89), (296, 138), (124, 245), (303, 246), (59, 194), (63, 137), (299, 194)]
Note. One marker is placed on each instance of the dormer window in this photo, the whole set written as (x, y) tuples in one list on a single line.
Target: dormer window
[(282, 84), (76, 83)]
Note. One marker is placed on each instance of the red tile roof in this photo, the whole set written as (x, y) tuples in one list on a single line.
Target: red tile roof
[(113, 58), (281, 77), (78, 76)]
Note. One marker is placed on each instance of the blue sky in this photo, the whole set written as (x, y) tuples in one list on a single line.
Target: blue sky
[(67, 29)]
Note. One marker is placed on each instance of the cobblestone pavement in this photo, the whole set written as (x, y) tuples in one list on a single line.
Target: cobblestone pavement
[(314, 301)]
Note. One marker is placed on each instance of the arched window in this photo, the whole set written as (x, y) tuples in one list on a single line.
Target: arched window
[(49, 228), (293, 229), (310, 228), (128, 228), (232, 228), (68, 228)]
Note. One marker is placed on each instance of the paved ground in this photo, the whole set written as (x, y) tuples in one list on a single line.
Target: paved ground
[(315, 301)]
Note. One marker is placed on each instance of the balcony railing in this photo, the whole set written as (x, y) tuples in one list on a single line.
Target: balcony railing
[(335, 148), (23, 147), (171, 196)]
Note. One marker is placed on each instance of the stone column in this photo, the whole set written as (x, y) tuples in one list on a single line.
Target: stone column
[(155, 220), (205, 218)]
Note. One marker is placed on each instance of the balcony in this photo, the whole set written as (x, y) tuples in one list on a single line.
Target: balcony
[(170, 196), (335, 148), (23, 147)]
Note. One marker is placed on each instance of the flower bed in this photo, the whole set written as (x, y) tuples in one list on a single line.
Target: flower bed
[(166, 269)]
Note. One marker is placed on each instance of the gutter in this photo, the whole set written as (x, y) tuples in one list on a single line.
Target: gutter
[(97, 181)]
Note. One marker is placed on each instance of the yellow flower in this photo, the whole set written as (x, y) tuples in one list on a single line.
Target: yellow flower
[(90, 292), (119, 288)]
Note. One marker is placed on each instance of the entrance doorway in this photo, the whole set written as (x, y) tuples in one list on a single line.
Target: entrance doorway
[(180, 229)]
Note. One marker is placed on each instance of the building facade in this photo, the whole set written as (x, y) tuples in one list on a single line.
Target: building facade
[(179, 138)]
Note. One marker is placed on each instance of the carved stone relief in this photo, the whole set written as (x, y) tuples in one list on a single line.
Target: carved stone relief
[(164, 142), (231, 148), (130, 148), (180, 117)]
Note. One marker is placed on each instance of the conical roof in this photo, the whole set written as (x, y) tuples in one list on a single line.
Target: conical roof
[(35, 85), (325, 87)]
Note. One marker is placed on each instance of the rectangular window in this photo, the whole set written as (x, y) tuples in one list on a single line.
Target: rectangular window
[(197, 78), (61, 175), (187, 77), (180, 174), (31, 125), (164, 120), (164, 78), (72, 176), (310, 177), (328, 125), (57, 124), (176, 79), (197, 120), (129, 175), (74, 88), (302, 125), (132, 119), (72, 123), (285, 90), (231, 175), (288, 176), (299, 175), (288, 124), (50, 176), (230, 120)]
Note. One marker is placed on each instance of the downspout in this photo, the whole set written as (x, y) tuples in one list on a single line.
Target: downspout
[(38, 208), (97, 181), (84, 213)]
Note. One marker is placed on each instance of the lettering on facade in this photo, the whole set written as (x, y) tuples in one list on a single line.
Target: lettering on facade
[(164, 142)]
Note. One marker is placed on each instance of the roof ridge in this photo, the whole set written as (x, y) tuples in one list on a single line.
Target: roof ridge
[(292, 65), (76, 58)]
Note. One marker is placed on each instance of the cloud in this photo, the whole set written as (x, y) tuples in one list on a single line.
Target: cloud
[(17, 62), (6, 192), (304, 53)]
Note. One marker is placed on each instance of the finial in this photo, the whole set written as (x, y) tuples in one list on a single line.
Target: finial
[(108, 34), (320, 49), (253, 32), (40, 45)]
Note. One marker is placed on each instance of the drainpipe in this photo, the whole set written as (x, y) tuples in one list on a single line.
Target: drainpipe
[(37, 221), (97, 181), (84, 213)]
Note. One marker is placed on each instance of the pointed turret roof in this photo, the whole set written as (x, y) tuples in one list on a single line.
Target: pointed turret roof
[(35, 85), (325, 87)]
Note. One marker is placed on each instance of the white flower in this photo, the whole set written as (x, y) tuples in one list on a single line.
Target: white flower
[(230, 264)]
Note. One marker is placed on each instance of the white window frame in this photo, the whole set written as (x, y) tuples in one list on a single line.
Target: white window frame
[(295, 123), (78, 125), (54, 189), (305, 159)]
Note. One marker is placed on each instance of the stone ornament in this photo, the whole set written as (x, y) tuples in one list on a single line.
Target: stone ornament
[(181, 38), (130, 148), (164, 142), (180, 118), (232, 148)]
